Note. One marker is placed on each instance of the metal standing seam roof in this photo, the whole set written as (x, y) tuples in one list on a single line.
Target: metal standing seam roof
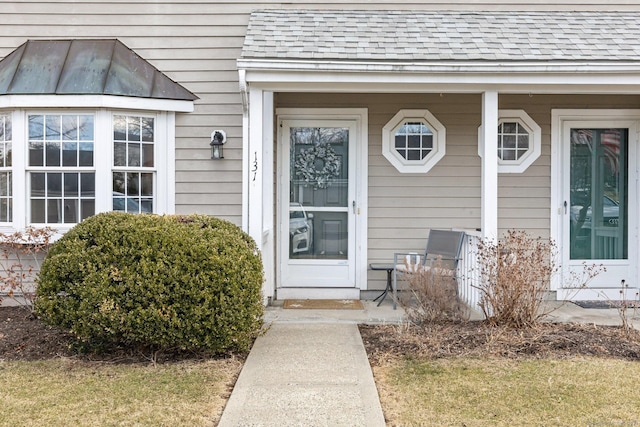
[(84, 67), (442, 36)]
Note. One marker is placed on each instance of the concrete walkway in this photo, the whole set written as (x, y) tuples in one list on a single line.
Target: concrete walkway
[(305, 374), (311, 368)]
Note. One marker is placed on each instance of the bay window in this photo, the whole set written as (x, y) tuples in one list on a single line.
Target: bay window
[(58, 168)]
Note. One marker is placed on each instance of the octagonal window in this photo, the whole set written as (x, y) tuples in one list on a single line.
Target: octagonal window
[(413, 141), (519, 141)]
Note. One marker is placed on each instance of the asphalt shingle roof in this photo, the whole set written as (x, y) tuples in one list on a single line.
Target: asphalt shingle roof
[(442, 36)]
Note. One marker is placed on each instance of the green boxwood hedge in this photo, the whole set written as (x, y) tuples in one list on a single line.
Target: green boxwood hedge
[(163, 282)]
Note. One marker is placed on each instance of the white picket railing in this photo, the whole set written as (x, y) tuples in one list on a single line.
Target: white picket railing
[(468, 271)]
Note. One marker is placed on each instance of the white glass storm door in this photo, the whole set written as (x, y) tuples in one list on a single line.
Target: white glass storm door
[(599, 200), (317, 203)]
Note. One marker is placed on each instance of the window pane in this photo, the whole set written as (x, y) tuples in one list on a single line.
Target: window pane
[(599, 171), (147, 155), (36, 153), (87, 184), (413, 155), (133, 184), (36, 128), (146, 205), (71, 187), (7, 129), (147, 129), (119, 204), (52, 128), (523, 141), (119, 154), (53, 153), (5, 184), (37, 211), (414, 141), (5, 210), (37, 185), (133, 129), (401, 141), (54, 211), (70, 153), (86, 154), (427, 142), (134, 155), (119, 128), (118, 183), (508, 154), (147, 184), (9, 154), (70, 128), (85, 129), (88, 208), (71, 211), (54, 184), (509, 127), (509, 141)]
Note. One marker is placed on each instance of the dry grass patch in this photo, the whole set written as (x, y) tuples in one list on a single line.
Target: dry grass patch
[(500, 392), (64, 392), (477, 374)]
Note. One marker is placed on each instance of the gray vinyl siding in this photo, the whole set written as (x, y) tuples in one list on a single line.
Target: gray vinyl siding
[(196, 43)]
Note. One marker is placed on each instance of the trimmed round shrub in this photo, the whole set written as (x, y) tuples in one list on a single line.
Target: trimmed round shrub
[(161, 282)]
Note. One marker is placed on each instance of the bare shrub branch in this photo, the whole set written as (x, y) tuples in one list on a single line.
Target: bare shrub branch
[(20, 255), (515, 274), (433, 295)]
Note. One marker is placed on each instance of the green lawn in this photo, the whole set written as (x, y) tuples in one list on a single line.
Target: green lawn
[(499, 392), (66, 392)]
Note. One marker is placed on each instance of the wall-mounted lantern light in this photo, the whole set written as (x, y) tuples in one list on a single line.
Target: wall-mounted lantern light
[(218, 138)]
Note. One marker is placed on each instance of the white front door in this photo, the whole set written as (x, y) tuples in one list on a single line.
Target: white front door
[(599, 204), (318, 203)]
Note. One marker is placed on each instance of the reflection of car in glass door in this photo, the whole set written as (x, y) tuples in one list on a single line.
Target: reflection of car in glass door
[(582, 214), (300, 229)]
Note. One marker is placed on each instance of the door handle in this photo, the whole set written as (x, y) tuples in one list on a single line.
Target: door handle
[(565, 207), (353, 205)]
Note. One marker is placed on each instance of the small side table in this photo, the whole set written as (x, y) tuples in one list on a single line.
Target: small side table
[(389, 269)]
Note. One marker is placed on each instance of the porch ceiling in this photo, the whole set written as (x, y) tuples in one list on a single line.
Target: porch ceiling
[(462, 51)]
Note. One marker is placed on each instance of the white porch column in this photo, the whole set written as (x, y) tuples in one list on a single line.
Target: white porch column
[(489, 149), (258, 167)]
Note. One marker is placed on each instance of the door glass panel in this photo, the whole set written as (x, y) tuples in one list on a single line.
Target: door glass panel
[(599, 194), (318, 193)]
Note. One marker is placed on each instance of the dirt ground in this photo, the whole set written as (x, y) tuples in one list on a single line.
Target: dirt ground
[(24, 338), (479, 339)]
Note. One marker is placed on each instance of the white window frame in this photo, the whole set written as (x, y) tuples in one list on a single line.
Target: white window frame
[(535, 141), (164, 160), (413, 166)]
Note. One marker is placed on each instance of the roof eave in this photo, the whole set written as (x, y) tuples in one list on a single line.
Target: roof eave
[(442, 76)]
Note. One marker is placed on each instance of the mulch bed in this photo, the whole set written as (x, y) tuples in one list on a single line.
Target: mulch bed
[(23, 337), (479, 339)]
